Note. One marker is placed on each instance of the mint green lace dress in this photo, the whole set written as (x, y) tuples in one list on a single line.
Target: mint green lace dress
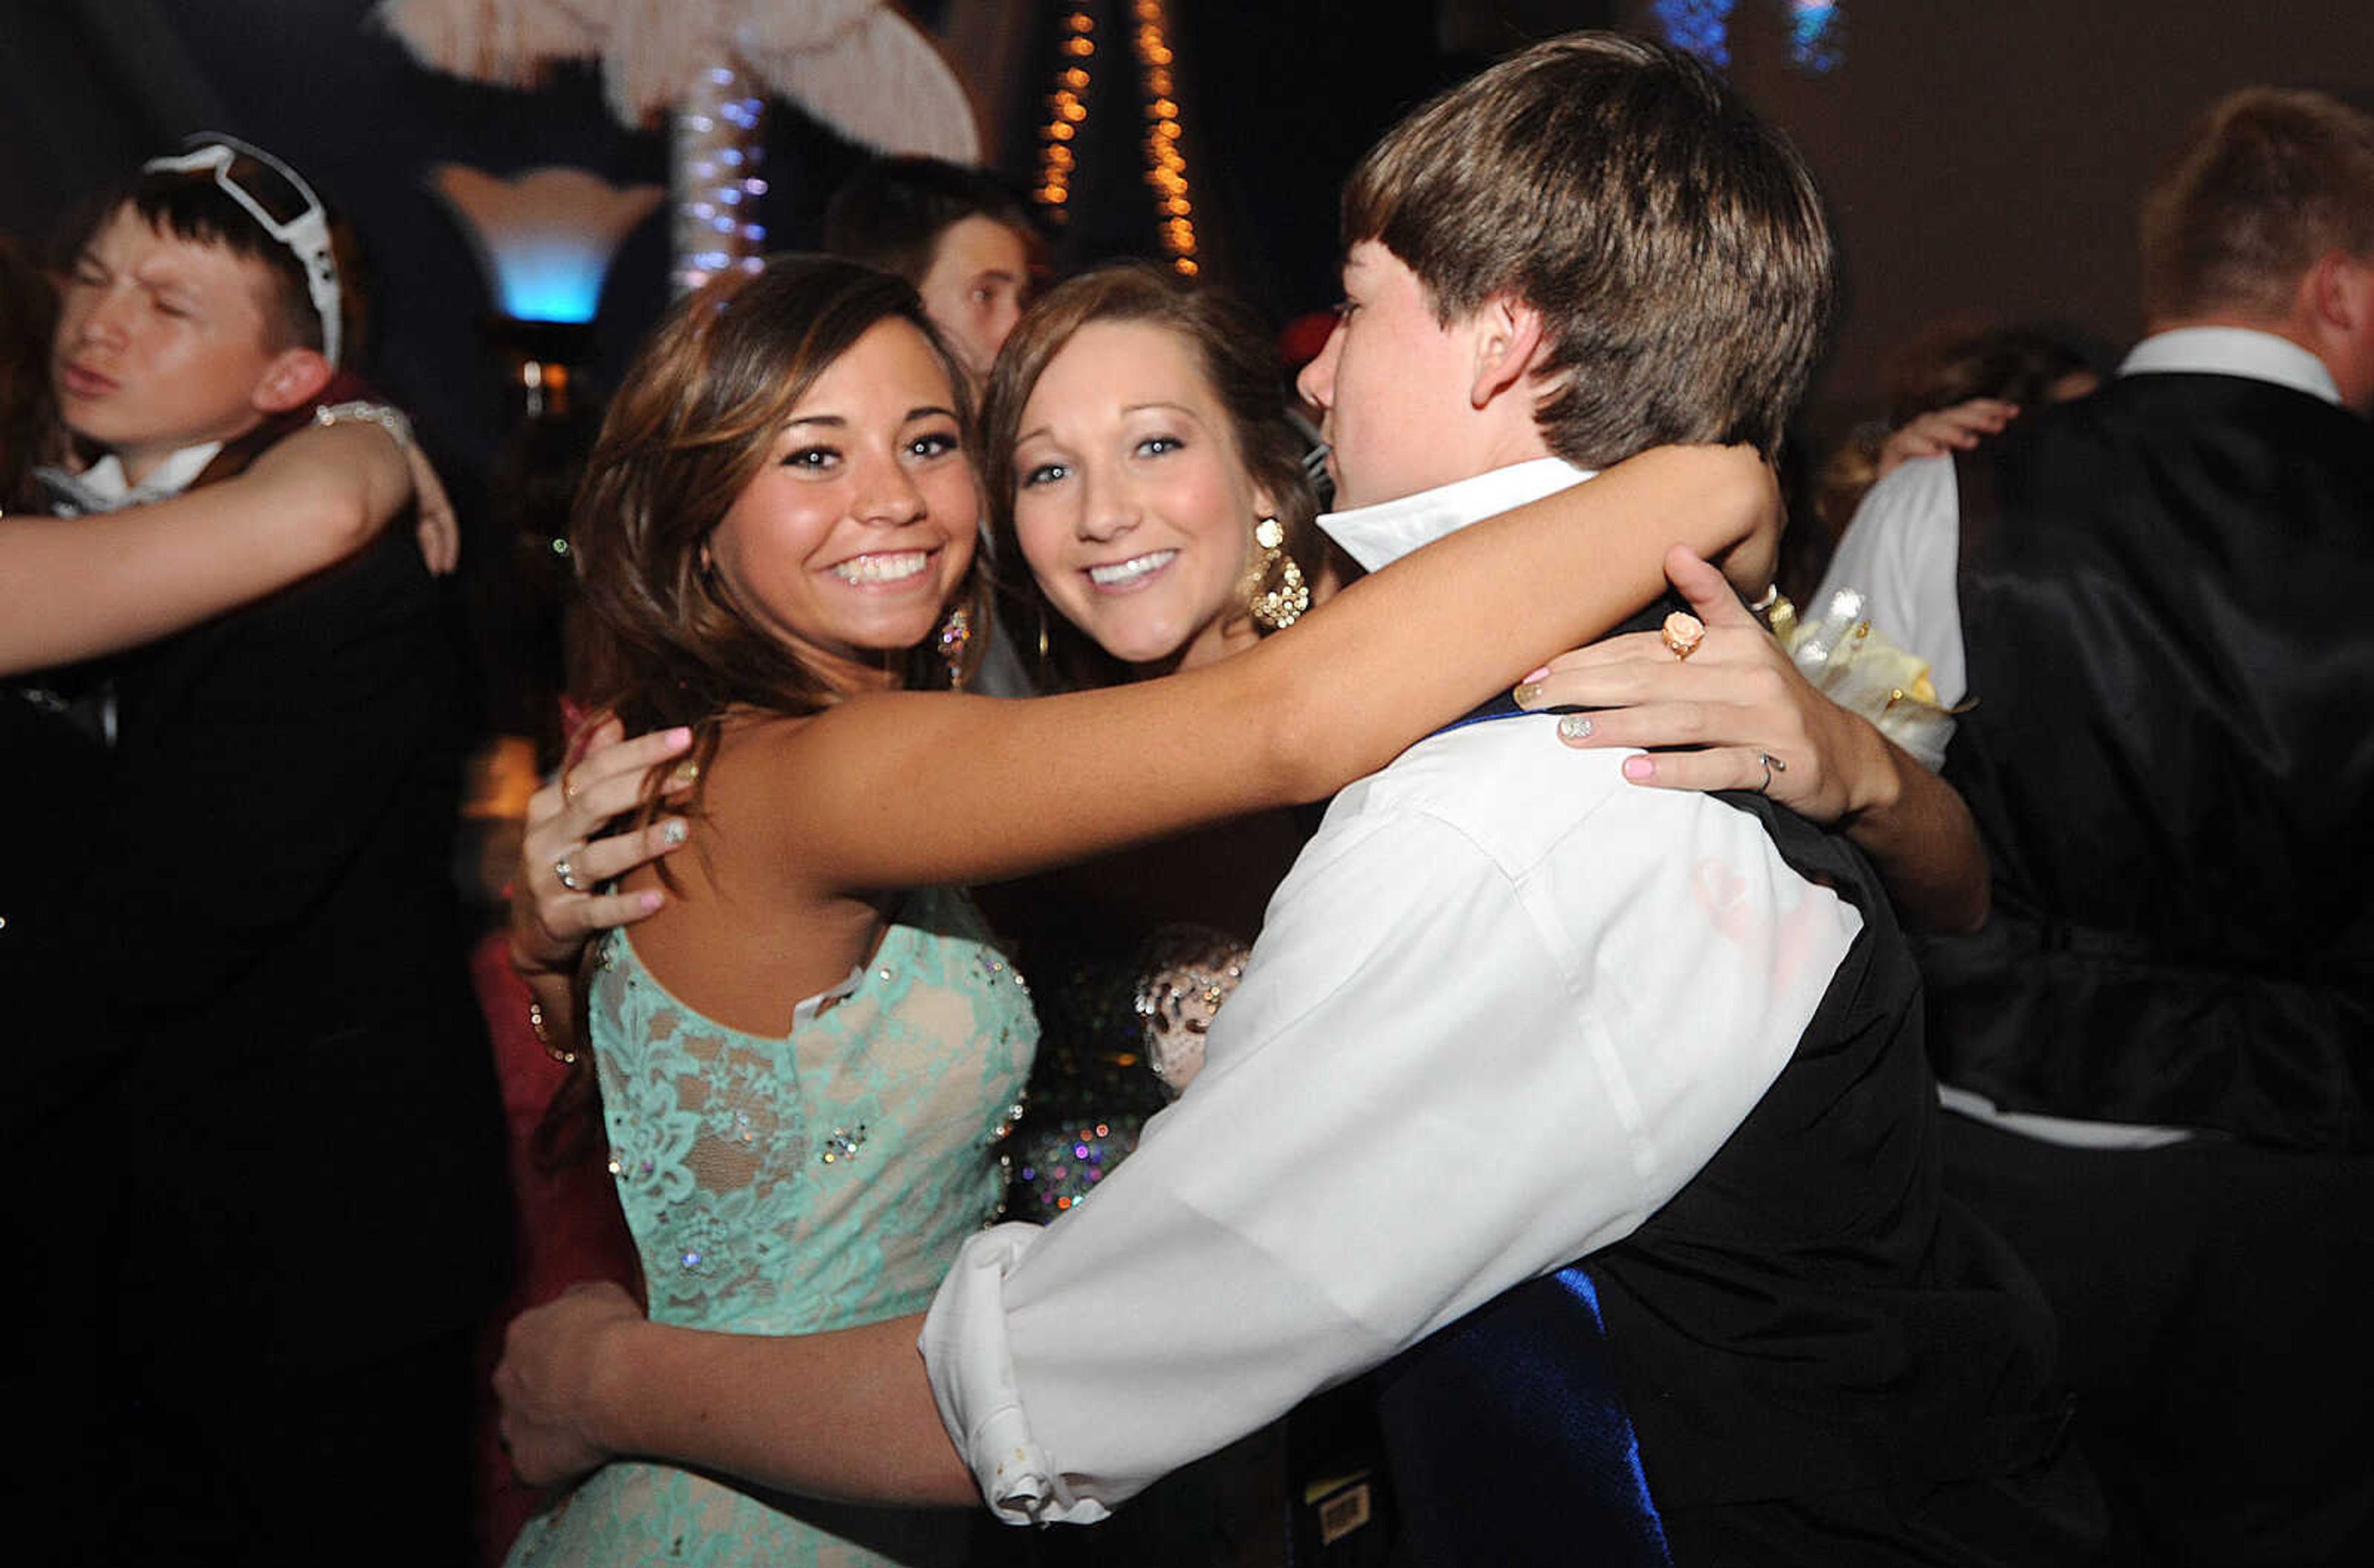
[(788, 1186)]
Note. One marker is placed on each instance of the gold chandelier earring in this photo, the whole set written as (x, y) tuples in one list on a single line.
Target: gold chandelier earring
[(1277, 593)]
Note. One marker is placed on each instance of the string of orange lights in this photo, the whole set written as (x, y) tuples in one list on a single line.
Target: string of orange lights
[(1068, 110), (1166, 164), (1067, 113)]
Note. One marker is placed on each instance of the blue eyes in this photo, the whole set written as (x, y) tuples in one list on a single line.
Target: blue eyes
[(1056, 473)]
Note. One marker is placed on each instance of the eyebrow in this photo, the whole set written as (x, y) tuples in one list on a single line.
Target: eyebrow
[(837, 421)]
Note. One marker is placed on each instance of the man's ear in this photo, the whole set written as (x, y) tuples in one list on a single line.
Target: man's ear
[(2333, 315), (294, 377), (1508, 337)]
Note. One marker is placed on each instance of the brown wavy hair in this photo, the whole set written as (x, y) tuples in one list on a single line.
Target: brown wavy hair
[(1238, 361), (655, 641)]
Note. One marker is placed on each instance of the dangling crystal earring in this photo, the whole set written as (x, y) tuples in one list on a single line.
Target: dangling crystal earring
[(954, 632), (1278, 595)]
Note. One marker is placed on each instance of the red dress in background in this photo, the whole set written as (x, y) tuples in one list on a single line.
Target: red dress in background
[(568, 1221)]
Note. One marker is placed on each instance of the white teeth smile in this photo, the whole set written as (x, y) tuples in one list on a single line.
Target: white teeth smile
[(895, 566), (1121, 574)]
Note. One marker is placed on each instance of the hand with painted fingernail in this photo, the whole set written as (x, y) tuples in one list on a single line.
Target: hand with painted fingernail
[(1736, 714), (558, 898), (1711, 702)]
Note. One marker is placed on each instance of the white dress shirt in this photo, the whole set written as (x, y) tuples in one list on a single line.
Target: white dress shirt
[(1903, 551), (1505, 1005)]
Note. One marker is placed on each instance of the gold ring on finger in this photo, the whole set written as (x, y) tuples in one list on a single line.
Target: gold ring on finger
[(1681, 632)]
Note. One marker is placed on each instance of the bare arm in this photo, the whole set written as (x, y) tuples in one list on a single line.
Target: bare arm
[(909, 788), (1737, 700), (75, 588), (1957, 429), (586, 1377)]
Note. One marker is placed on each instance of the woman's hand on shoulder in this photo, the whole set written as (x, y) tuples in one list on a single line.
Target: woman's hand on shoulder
[(551, 920), (1734, 714), (1943, 430)]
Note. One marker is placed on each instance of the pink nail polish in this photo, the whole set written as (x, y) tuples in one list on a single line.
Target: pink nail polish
[(679, 736), (649, 903), (1639, 768)]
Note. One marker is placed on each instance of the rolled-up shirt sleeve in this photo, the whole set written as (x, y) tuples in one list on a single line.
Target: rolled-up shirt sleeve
[(1451, 1067)]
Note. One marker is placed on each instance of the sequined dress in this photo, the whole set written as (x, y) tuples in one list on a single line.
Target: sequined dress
[(796, 1184)]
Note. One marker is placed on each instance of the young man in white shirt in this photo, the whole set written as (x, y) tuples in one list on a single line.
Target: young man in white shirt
[(1506, 1012)]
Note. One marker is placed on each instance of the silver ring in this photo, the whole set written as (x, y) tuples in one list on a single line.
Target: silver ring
[(567, 873), (1772, 765)]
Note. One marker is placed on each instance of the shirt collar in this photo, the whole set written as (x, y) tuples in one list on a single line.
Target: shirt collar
[(1383, 533), (106, 481), (2233, 351)]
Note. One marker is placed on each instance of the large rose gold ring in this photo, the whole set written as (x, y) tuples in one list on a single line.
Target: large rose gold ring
[(1682, 633)]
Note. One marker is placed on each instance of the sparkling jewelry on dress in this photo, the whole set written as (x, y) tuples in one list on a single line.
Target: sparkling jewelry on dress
[(1188, 971), (842, 1143)]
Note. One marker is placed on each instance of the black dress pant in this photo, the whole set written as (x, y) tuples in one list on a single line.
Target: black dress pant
[(2213, 1299), (367, 1464)]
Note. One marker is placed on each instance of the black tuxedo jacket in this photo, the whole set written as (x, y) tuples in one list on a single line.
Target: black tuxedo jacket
[(256, 1044)]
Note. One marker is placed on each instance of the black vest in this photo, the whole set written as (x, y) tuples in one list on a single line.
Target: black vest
[(1808, 1315), (2168, 599)]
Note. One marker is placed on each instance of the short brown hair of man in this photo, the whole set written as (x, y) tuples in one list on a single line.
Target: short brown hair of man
[(891, 213), (2267, 182), (1674, 244), (1239, 362)]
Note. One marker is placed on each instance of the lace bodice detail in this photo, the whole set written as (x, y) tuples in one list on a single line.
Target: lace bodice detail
[(826, 1179)]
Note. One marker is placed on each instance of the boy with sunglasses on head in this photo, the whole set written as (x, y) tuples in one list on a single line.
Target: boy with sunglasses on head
[(252, 1038)]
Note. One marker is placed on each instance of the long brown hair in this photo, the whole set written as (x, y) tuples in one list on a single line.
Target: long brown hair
[(1238, 361), (655, 642)]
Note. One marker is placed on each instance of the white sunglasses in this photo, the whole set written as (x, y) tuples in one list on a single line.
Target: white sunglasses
[(307, 235)]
